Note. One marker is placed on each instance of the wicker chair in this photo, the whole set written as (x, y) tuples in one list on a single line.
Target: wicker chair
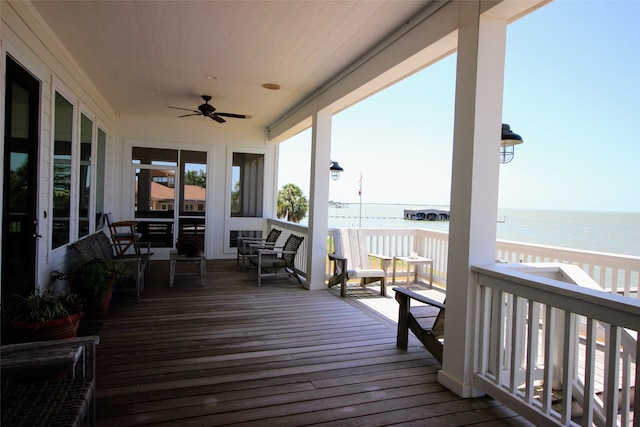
[(245, 249), (277, 261)]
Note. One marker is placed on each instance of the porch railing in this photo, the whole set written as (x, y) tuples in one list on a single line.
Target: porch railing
[(615, 273), (401, 242), (288, 229), (557, 353)]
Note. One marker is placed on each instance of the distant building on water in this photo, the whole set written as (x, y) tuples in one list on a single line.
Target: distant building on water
[(426, 214)]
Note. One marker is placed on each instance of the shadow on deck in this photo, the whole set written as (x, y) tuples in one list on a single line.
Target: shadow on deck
[(235, 354)]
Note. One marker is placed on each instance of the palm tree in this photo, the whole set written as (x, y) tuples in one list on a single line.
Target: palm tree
[(292, 205)]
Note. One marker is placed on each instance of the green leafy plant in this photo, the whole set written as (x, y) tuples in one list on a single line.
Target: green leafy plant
[(292, 204), (189, 245), (41, 307), (91, 279)]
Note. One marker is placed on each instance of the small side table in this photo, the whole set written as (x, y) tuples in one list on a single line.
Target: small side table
[(175, 257), (416, 262)]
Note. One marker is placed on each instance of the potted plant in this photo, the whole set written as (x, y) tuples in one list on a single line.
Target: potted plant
[(41, 316), (92, 281), (189, 245)]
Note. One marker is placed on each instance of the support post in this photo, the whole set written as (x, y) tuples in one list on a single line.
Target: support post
[(474, 187), (319, 197)]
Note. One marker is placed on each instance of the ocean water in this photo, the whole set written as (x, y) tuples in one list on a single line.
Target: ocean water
[(610, 232)]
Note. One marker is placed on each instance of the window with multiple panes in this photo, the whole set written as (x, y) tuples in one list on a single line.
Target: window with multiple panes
[(77, 184)]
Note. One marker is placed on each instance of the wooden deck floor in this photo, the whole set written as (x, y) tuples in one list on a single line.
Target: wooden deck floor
[(235, 354)]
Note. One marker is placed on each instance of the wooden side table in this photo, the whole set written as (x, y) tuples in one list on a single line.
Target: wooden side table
[(415, 261), (175, 257)]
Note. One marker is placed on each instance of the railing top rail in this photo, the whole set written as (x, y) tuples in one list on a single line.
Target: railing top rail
[(607, 307), (400, 231), (289, 225), (583, 253)]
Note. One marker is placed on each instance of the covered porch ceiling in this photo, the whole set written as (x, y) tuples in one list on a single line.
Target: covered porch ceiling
[(144, 56)]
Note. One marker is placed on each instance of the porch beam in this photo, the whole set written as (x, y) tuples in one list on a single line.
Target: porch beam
[(318, 199), (474, 188)]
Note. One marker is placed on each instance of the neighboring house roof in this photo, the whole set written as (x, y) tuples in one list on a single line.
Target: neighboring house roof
[(195, 193), (191, 192)]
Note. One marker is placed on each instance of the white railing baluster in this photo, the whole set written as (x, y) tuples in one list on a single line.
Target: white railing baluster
[(516, 345), (484, 329), (568, 365), (498, 334), (636, 397), (549, 351), (533, 331), (612, 372), (625, 395), (589, 377)]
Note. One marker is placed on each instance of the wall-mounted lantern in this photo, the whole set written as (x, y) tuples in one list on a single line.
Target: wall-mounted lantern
[(508, 141), (335, 170)]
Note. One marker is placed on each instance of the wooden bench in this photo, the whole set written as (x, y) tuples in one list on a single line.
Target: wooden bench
[(97, 246), (426, 322), (49, 383)]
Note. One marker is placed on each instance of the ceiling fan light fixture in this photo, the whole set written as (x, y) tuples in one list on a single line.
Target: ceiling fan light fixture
[(208, 110), (271, 86)]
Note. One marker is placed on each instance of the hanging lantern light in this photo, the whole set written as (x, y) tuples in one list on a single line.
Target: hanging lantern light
[(335, 170), (508, 141)]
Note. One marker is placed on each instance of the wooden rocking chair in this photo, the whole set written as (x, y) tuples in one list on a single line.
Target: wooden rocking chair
[(352, 260), (123, 235), (426, 322)]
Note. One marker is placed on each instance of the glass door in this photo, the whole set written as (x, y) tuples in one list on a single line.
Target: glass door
[(193, 194), (170, 188), (155, 194), (19, 216)]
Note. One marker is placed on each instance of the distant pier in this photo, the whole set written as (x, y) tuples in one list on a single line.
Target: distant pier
[(426, 214)]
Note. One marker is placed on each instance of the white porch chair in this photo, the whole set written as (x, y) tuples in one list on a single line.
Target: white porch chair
[(351, 259)]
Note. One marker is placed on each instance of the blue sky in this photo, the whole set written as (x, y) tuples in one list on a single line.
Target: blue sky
[(572, 90)]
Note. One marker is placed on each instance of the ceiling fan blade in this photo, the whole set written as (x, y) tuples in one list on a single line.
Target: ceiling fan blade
[(217, 118), (185, 109), (235, 116), (187, 115)]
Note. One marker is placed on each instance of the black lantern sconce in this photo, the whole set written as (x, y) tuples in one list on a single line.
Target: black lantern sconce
[(508, 141), (335, 169)]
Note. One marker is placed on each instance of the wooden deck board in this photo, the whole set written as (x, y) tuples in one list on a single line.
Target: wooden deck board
[(235, 354)]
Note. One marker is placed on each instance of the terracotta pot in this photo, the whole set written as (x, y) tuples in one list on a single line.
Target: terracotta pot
[(95, 309), (38, 331)]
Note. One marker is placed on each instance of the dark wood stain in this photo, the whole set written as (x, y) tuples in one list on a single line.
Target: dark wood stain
[(235, 354)]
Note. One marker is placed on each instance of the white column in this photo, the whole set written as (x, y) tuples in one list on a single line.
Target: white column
[(318, 200), (474, 188)]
